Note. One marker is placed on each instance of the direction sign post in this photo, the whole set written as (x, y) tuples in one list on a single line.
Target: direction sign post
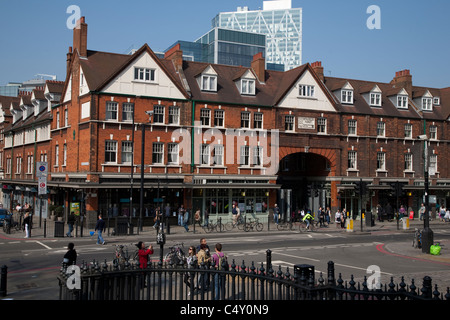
[(41, 174)]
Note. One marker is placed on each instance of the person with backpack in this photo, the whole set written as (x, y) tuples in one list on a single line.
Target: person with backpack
[(219, 261)]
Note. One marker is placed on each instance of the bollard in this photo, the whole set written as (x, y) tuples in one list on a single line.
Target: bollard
[(405, 223), (349, 223), (3, 281), (45, 228)]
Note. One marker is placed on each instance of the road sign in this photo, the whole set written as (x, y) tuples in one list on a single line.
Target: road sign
[(42, 185), (41, 169)]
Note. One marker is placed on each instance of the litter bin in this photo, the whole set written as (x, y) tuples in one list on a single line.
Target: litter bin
[(59, 229), (121, 226), (370, 219), (304, 269)]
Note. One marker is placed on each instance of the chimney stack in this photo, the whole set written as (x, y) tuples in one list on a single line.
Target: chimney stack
[(176, 55), (403, 79), (259, 66), (80, 37), (68, 60), (318, 69)]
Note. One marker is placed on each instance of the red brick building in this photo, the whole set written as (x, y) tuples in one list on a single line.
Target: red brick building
[(215, 135)]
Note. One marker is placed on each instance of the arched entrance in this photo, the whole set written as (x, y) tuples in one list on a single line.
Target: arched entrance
[(304, 179)]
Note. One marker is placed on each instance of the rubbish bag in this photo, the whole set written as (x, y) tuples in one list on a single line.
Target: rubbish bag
[(435, 249)]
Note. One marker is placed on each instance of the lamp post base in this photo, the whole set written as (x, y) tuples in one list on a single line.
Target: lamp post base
[(427, 239)]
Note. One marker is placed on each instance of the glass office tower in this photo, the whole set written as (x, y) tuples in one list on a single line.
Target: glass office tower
[(281, 24)]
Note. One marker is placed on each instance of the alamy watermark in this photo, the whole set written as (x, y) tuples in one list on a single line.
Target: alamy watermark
[(374, 21), (374, 280), (75, 15)]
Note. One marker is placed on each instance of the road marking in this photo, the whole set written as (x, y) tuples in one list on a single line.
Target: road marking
[(45, 246), (292, 256)]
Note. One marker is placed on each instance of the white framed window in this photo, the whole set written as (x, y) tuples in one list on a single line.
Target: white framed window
[(174, 115), (8, 165), (57, 155), (347, 96), (110, 151), (402, 101), (30, 164), (172, 153), (248, 86), (258, 120), (111, 110), (257, 156), (64, 154), (381, 129), (352, 160), (205, 117), (289, 123), (433, 163), (245, 119), (127, 151), (218, 155), (427, 104), (127, 111), (66, 117), (408, 162), (18, 165), (306, 91), (58, 122), (209, 83), (436, 101), (244, 156), (408, 130), (204, 154), (219, 118), (158, 153), (352, 129), (375, 99), (433, 132), (158, 114), (144, 74), (381, 161), (322, 125)]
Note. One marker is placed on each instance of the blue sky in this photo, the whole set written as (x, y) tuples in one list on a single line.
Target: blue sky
[(414, 35)]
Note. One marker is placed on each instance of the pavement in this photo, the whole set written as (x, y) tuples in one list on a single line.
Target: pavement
[(177, 233)]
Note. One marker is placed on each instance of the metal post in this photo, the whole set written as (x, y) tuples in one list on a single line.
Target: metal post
[(3, 281), (427, 233), (141, 203)]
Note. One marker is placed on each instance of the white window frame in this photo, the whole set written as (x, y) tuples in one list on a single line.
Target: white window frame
[(144, 74), (244, 154), (289, 123), (434, 162), (205, 117), (347, 96), (158, 153), (427, 104), (352, 162), (158, 114), (322, 125), (172, 154), (205, 155), (433, 132), (375, 99), (258, 120), (218, 155), (66, 117), (127, 152), (245, 119), (248, 86), (219, 118), (112, 111), (381, 161), (56, 155), (408, 162), (402, 101), (258, 156), (64, 155), (408, 130), (352, 127), (381, 129), (174, 115), (111, 149), (209, 82), (306, 91), (436, 101), (127, 111)]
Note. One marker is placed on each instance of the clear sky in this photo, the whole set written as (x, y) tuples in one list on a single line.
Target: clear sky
[(414, 35)]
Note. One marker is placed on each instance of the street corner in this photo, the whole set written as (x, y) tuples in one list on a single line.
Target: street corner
[(407, 251)]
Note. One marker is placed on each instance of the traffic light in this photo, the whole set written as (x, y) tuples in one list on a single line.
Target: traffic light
[(316, 192), (360, 187)]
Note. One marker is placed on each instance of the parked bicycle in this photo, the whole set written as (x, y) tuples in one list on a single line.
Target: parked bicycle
[(176, 254), (253, 224), (239, 224), (287, 225), (217, 226), (122, 257)]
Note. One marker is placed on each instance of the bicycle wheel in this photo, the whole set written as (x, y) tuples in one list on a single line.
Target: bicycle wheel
[(247, 227), (259, 227), (228, 226), (220, 227), (302, 227), (281, 227)]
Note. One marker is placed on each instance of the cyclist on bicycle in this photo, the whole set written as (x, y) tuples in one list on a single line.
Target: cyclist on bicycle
[(308, 218)]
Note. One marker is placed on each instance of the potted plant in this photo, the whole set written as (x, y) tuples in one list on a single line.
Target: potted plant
[(59, 210)]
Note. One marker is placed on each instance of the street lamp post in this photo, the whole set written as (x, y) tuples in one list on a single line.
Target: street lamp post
[(141, 203), (427, 233)]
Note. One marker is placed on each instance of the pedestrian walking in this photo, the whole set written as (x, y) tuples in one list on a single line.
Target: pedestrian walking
[(186, 220), (191, 262), (421, 211), (219, 260), (206, 218), (99, 227), (337, 218), (181, 212), (236, 213), (197, 218), (203, 258), (70, 222), (27, 224), (276, 214), (70, 258)]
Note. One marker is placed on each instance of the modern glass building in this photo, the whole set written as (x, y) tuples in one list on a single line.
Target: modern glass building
[(278, 21)]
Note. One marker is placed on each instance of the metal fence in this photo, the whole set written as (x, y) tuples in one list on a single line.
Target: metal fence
[(160, 281)]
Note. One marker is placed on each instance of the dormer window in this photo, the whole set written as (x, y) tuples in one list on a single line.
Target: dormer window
[(347, 96), (427, 104), (375, 99), (209, 83), (436, 101), (144, 74), (248, 86), (402, 101)]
